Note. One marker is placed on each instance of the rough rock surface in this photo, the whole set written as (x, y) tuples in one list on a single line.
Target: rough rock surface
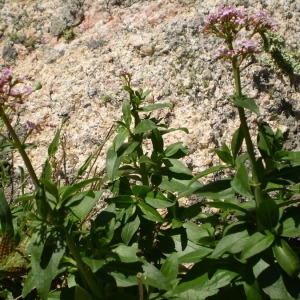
[(74, 48)]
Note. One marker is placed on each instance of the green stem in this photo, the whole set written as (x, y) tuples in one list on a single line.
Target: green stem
[(143, 169), (246, 134), (84, 270), (20, 148)]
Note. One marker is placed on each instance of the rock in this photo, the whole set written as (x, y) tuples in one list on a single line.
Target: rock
[(9, 53)]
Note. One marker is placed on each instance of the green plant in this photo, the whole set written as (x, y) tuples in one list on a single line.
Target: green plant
[(144, 244), (69, 34), (258, 242)]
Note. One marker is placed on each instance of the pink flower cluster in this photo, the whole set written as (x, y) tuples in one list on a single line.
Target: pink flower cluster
[(242, 48), (41, 123), (226, 22), (126, 71), (261, 22), (10, 95)]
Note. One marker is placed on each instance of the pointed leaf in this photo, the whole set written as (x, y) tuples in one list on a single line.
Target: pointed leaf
[(149, 212), (82, 209), (240, 182), (176, 166), (144, 126), (268, 213), (248, 103), (287, 258), (113, 162), (46, 253), (155, 106), (129, 229), (170, 267), (257, 243), (232, 243), (54, 144), (120, 138), (237, 142)]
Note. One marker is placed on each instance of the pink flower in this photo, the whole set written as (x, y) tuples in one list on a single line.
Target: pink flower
[(262, 22), (225, 22), (126, 71), (10, 95), (41, 123), (245, 46)]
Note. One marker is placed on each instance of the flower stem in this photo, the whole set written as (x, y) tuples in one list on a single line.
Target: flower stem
[(20, 148), (84, 270), (245, 129)]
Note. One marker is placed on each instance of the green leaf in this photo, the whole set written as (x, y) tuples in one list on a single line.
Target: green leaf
[(46, 253), (126, 112), (204, 285), (149, 212), (268, 212), (81, 293), (275, 282), (155, 106), (252, 291), (232, 243), (43, 207), (257, 243), (170, 267), (287, 258), (94, 264), (129, 229), (144, 125), (220, 189), (122, 200), (290, 225), (47, 171), (5, 216), (126, 254), (82, 209), (120, 138), (125, 274), (248, 103), (285, 176), (113, 162), (226, 206), (140, 191), (153, 277), (176, 166), (195, 256), (157, 200), (157, 141), (54, 144), (174, 149), (240, 182), (209, 171), (29, 284), (237, 142), (146, 160), (224, 154), (293, 157), (179, 185), (67, 191)]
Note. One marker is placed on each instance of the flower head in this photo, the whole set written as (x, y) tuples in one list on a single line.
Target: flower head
[(126, 71), (245, 46), (42, 122), (261, 22), (10, 95), (225, 22)]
